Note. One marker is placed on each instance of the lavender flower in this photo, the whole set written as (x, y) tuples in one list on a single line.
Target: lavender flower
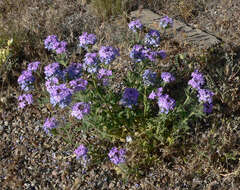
[(25, 99), (156, 94), (81, 151), (166, 22), (103, 75), (152, 38), (162, 54), (51, 42), (91, 62), (205, 96), (33, 66), (148, 54), (86, 40), (117, 156), (80, 109), (53, 70), (197, 80), (78, 84), (149, 77), (207, 108), (135, 25), (60, 94), (137, 53), (130, 97), (108, 54), (74, 70), (25, 80), (50, 83), (167, 77), (61, 47), (166, 103), (50, 124)]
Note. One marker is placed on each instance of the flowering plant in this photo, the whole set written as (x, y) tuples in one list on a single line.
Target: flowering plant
[(144, 109)]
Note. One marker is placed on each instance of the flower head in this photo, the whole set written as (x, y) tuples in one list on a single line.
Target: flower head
[(81, 151), (61, 47), (130, 97), (86, 40), (152, 38), (60, 94), (207, 108), (50, 124), (25, 80), (166, 103), (53, 70), (167, 77), (135, 25), (78, 84), (158, 93), (166, 22), (205, 95), (51, 42), (25, 99), (107, 54), (33, 66), (137, 53), (50, 83), (149, 77), (197, 80), (80, 109), (103, 75), (117, 156), (74, 70), (91, 62)]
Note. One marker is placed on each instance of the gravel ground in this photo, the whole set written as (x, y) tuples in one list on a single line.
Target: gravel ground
[(220, 18)]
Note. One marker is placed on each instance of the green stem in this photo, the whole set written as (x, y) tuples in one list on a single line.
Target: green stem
[(145, 101)]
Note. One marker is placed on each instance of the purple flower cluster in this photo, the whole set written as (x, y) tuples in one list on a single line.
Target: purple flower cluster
[(167, 77), (152, 38), (78, 84), (130, 97), (50, 83), (25, 99), (53, 70), (166, 22), (81, 151), (103, 75), (80, 109), (86, 40), (33, 66), (52, 43), (165, 102), (74, 71), (204, 95), (137, 53), (107, 54), (50, 124), (25, 80), (149, 77), (60, 94), (117, 156), (91, 62), (197, 80), (158, 93), (135, 25), (140, 53)]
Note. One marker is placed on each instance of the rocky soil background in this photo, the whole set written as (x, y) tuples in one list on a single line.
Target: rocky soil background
[(31, 160)]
